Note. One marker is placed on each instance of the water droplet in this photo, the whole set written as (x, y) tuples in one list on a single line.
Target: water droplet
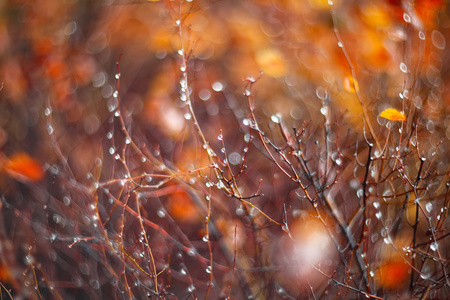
[(66, 200), (234, 158), (434, 246), (430, 126), (48, 111), (208, 270), (181, 52), (187, 116), (204, 95), (421, 35), (406, 18), (378, 215), (359, 193), (429, 206), (376, 204), (117, 156), (161, 213), (95, 284), (128, 140), (217, 86), (340, 45), (438, 39), (403, 67), (191, 288), (239, 211), (205, 238), (321, 93), (220, 137), (324, 110), (386, 195), (116, 94), (116, 113), (111, 150), (183, 68), (276, 118), (50, 129)]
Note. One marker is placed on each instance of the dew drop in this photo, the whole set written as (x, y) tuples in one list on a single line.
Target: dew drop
[(239, 211), (359, 193), (276, 118), (47, 111), (161, 213), (50, 129), (191, 288), (217, 86), (421, 35), (376, 205), (95, 284), (434, 246), (66, 200), (403, 67), (187, 116), (204, 95), (438, 39), (406, 18)]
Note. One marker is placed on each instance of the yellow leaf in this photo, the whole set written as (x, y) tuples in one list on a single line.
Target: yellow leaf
[(392, 115), (350, 85), (271, 62)]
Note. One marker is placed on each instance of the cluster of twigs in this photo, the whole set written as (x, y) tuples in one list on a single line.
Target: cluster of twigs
[(379, 196)]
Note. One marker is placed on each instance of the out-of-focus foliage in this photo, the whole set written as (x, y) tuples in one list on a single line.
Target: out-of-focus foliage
[(121, 195)]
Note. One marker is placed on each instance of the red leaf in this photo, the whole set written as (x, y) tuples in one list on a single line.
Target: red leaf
[(23, 167)]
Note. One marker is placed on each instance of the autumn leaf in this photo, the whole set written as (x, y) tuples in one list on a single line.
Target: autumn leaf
[(182, 208), (392, 115), (271, 62), (351, 85), (393, 274), (24, 168)]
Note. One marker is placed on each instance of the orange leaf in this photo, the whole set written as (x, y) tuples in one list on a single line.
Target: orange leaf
[(393, 274), (392, 115), (182, 208), (351, 85), (24, 168)]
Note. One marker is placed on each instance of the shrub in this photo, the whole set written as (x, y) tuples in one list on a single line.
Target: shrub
[(224, 150)]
